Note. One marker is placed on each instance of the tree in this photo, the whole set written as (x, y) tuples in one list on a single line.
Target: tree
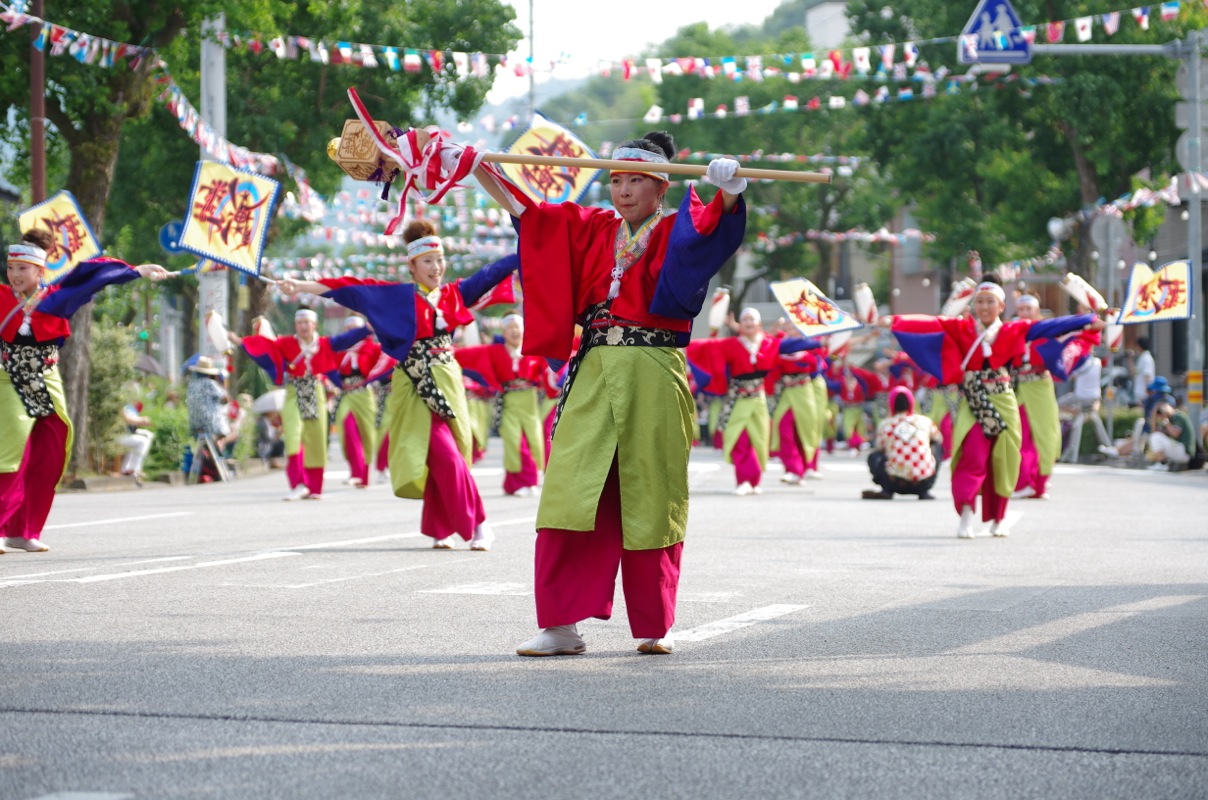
[(987, 168), (279, 105)]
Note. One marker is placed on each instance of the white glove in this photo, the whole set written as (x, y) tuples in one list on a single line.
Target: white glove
[(720, 173), (450, 155)]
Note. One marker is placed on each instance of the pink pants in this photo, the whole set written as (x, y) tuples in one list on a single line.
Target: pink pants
[(383, 454), (973, 474), (548, 426), (812, 464), (527, 476), (1029, 466), (854, 440), (791, 452), (746, 463), (451, 500), (946, 432), (27, 494), (354, 450), (576, 573), (298, 474)]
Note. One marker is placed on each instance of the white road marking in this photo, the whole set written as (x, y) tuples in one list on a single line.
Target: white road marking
[(345, 578), (703, 467), (486, 472), (26, 580), (1027, 639), (85, 569), (855, 465), (706, 597), (511, 589), (84, 796), (730, 624), (140, 572), (118, 519)]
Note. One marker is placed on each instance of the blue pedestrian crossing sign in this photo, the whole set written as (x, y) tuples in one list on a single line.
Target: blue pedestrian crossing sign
[(993, 36)]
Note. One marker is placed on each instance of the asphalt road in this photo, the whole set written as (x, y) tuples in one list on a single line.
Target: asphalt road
[(215, 642)]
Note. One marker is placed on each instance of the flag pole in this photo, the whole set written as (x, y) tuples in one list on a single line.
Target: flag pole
[(697, 170)]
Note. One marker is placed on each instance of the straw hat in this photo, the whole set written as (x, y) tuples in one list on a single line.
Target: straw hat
[(205, 366)]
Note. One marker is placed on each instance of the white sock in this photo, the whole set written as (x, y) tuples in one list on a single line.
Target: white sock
[(966, 525)]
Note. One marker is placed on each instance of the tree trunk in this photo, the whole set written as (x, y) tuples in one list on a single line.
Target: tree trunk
[(94, 150)]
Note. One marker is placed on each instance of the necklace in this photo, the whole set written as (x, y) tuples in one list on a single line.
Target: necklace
[(629, 249)]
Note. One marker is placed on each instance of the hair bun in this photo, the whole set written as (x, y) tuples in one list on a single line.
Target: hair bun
[(418, 229), (663, 141), (39, 238)]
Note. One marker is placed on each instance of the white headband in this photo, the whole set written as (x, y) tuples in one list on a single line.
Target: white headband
[(27, 254), (992, 288), (638, 154), (423, 246), (354, 322), (512, 319), (753, 313), (305, 313), (1027, 300)]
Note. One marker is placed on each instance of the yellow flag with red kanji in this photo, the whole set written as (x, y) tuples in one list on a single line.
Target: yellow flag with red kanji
[(74, 240), (229, 214), (544, 183), (1157, 295), (810, 310)]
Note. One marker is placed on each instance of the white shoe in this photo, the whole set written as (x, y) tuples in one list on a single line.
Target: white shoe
[(296, 493), (756, 490), (791, 478), (483, 536), (443, 544), (1160, 466), (28, 545), (660, 647), (1023, 493), (1113, 452), (965, 529), (1002, 528), (524, 491), (352, 482), (814, 475), (744, 489), (561, 640)]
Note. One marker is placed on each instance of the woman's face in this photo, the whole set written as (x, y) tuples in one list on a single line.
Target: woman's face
[(23, 277), (987, 308), (1028, 311), (748, 326), (304, 327), (635, 196), (513, 334), (428, 269)]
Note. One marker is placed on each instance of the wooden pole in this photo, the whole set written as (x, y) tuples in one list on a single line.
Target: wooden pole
[(646, 166)]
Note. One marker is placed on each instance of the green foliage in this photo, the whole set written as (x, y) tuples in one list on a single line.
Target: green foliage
[(171, 427), (112, 354)]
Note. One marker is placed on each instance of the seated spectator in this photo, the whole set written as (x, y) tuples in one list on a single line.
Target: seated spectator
[(205, 400), (137, 440), (1172, 441), (237, 411), (909, 447), (269, 444), (1158, 391)]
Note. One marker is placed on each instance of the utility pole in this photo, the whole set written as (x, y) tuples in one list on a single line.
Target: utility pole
[(1195, 245), (37, 111), (212, 286), (532, 64)]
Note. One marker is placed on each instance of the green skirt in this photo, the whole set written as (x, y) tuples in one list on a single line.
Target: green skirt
[(1040, 400), (802, 401), (750, 414), (411, 426), (362, 404), (632, 404), (16, 425), (309, 436), (521, 416), (1005, 454)]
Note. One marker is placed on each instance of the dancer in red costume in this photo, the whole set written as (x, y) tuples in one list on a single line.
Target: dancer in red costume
[(35, 429)]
